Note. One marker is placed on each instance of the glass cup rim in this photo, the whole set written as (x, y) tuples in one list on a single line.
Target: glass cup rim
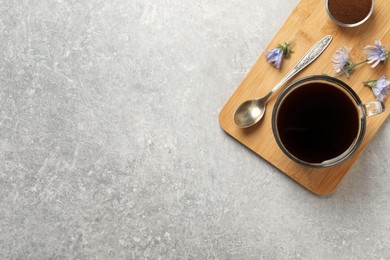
[(348, 91), (350, 24)]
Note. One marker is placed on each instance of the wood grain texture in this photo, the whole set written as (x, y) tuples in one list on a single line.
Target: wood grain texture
[(306, 25)]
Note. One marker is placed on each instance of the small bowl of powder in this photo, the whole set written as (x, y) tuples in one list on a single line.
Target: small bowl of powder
[(350, 13)]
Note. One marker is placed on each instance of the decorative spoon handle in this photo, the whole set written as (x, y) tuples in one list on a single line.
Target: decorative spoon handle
[(308, 58)]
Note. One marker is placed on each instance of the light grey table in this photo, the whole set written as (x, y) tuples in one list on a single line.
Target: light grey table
[(110, 146)]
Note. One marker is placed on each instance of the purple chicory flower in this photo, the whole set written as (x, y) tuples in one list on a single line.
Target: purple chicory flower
[(375, 54), (275, 57), (380, 87), (342, 61)]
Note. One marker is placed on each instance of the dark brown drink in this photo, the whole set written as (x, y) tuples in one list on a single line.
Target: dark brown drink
[(317, 122)]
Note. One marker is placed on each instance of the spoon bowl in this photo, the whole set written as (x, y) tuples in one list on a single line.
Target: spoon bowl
[(250, 112)]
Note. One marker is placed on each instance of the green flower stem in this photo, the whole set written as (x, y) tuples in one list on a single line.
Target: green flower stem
[(286, 49), (387, 52), (350, 67), (369, 83)]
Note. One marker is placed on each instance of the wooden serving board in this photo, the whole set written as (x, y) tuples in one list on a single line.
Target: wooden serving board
[(306, 25)]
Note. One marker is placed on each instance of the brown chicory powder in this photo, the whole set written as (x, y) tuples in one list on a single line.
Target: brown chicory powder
[(349, 11)]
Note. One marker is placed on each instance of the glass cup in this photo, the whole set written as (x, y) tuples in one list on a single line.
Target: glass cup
[(319, 121)]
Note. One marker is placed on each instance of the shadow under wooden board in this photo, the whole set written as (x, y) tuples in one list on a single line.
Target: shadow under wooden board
[(306, 25)]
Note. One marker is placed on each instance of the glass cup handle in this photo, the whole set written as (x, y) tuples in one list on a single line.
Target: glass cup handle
[(373, 108)]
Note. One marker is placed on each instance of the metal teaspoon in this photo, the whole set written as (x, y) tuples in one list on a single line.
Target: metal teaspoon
[(251, 111)]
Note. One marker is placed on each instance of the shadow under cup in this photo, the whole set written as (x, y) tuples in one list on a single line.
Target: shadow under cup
[(319, 121)]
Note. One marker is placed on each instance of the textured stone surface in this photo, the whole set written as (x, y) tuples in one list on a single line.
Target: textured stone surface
[(110, 146)]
